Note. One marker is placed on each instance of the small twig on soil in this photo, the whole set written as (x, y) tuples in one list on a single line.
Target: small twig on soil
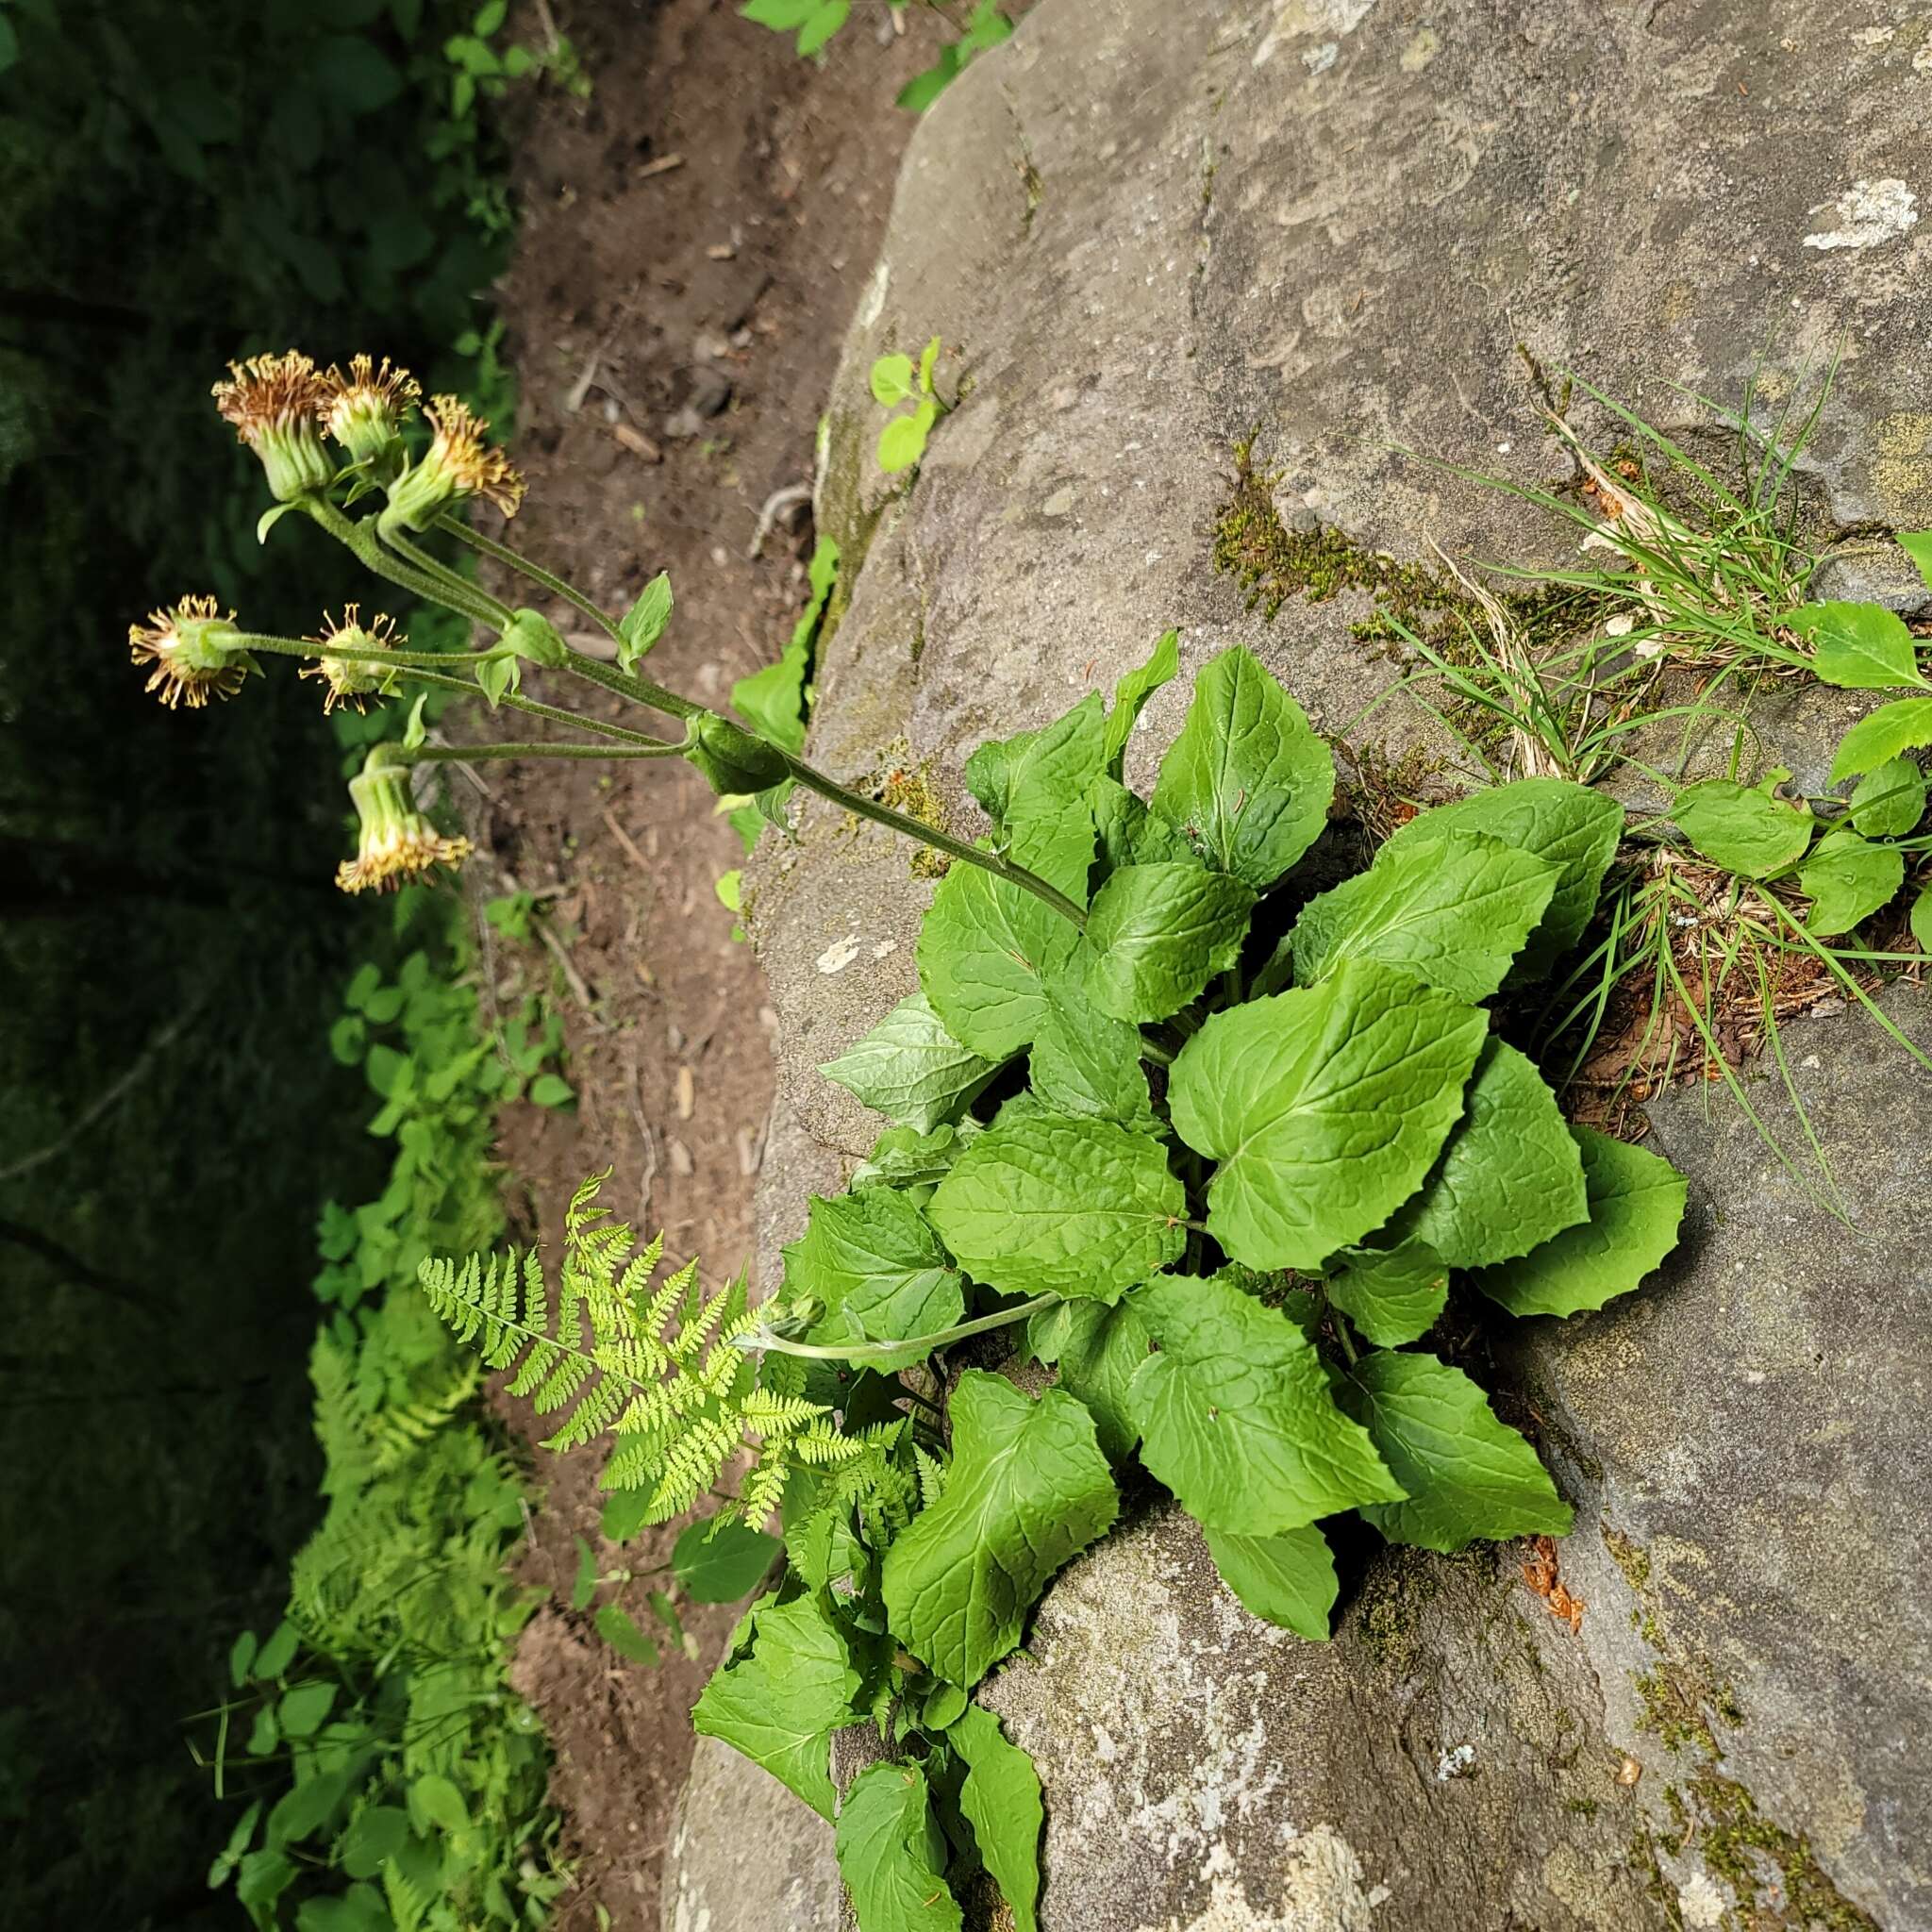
[(624, 839), (775, 506), (662, 165)]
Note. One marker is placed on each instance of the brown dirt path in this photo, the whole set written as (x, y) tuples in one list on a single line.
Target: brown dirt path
[(673, 329)]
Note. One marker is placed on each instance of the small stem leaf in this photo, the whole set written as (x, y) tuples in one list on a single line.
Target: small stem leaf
[(1454, 909), (891, 380), (1890, 802), (1466, 1474), (1131, 694), (1325, 1107), (644, 623), (1029, 1489), (1391, 1295), (1575, 828), (982, 951), (1247, 780), (780, 1705), (891, 1852), (1046, 1204), (1237, 1416), (1858, 646), (1287, 1581), (1158, 934), (1002, 1801), (1509, 1177), (910, 1069), (1847, 879), (1901, 727), (1741, 830), (619, 1629), (1636, 1205)]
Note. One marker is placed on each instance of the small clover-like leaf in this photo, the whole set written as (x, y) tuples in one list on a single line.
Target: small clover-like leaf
[(1029, 1489), (891, 380), (1237, 1416)]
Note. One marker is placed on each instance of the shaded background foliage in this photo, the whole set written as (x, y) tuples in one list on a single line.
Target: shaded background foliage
[(181, 181)]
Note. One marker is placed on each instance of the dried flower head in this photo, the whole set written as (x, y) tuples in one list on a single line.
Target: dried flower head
[(458, 464), (364, 410), (274, 403), (397, 844), (196, 654), (350, 680)]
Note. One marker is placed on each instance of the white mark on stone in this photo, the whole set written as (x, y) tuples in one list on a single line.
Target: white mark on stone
[(1319, 1892), (1059, 503), (1701, 1903), (1873, 36), (873, 304), (1320, 59), (1619, 627), (1419, 51), (1304, 19), (1870, 213), (885, 948), (1455, 1764), (839, 955)]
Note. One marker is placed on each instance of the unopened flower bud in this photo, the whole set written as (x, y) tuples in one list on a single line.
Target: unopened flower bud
[(364, 410), (397, 845), (195, 653), (349, 681), (457, 466), (274, 404)]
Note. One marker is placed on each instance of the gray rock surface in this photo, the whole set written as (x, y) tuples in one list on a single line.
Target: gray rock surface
[(1145, 233)]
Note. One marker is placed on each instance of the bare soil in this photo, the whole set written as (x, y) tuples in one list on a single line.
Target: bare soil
[(693, 241)]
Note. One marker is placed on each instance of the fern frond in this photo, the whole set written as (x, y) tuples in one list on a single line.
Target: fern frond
[(932, 1477)]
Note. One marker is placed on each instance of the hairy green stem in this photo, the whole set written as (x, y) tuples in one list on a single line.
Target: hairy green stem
[(433, 569), (349, 654), (530, 708), (516, 560), (764, 1339), (445, 587), (471, 753)]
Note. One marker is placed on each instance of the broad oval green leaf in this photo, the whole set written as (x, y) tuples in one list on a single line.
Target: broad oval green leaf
[(1466, 1474), (1128, 832), (1029, 1489), (1043, 1204), (893, 1853), (1858, 646), (878, 1268), (1087, 1063), (910, 1069), (1901, 727), (982, 951), (1158, 934), (1391, 1295), (1454, 909), (1889, 802), (1744, 830), (780, 1705), (1510, 1178), (1034, 785), (892, 381), (1247, 780), (1325, 1108), (1002, 1801), (721, 1562), (1636, 1205), (304, 1706), (1847, 879), (1287, 1581), (1237, 1416), (1917, 544), (1575, 828)]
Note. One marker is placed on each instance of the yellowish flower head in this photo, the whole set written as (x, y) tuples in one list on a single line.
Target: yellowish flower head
[(457, 466), (397, 845), (349, 681), (275, 403), (194, 653), (364, 410)]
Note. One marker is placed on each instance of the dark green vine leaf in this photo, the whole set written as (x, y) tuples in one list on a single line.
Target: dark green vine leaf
[(1099, 1350), (1287, 1581), (1047, 1205), (893, 1853), (780, 1705), (1744, 830), (1002, 1802), (1085, 1061), (1131, 694), (1888, 803), (878, 1268), (1510, 1178), (1029, 1489), (1900, 726), (721, 1562), (1325, 1108), (1158, 934), (1636, 1204), (910, 1069), (1247, 780), (1466, 1474), (1858, 646), (1235, 1414), (1454, 909), (1393, 1294), (1575, 828), (982, 951), (1847, 879)]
